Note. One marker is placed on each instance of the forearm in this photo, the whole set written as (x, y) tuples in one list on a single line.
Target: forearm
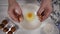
[(10, 2)]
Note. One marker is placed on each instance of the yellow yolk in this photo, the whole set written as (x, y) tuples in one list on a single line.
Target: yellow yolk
[(30, 16)]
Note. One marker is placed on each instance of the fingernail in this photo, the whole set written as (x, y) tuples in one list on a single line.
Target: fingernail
[(20, 18)]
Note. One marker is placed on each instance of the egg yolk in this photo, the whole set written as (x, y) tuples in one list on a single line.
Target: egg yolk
[(30, 16)]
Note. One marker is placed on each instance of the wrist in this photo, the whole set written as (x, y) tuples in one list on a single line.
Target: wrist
[(46, 0), (11, 2)]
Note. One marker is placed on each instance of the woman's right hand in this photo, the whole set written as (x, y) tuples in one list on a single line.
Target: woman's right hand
[(15, 11)]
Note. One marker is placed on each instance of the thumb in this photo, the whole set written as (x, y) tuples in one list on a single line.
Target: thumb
[(40, 10), (18, 11)]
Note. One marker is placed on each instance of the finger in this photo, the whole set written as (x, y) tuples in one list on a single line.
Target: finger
[(46, 14), (18, 10), (20, 18), (42, 7), (40, 10), (12, 15)]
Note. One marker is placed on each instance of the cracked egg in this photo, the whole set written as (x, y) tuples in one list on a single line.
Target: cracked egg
[(29, 16), (31, 20)]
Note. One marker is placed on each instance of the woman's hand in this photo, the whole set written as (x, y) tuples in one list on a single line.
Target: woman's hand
[(44, 10), (14, 10)]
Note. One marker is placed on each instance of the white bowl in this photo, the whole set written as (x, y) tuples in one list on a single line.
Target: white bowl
[(27, 24)]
